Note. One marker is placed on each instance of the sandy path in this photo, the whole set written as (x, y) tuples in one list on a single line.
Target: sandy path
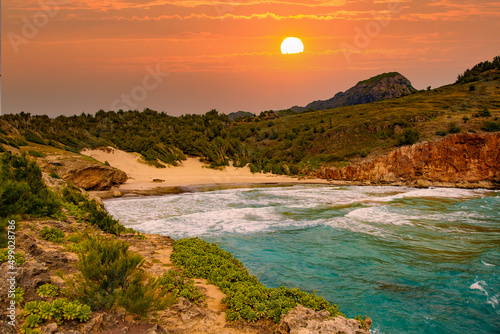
[(191, 172)]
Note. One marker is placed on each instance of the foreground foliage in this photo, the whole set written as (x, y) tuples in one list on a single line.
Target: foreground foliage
[(112, 275), (247, 298)]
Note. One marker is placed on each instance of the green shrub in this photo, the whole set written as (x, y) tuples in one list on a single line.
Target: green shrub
[(410, 137), (36, 154), (33, 137), (491, 126), (254, 169), (176, 283), (54, 175), (18, 295), (105, 267), (47, 290), (484, 113), (441, 133), (18, 257), (453, 128), (140, 299), (22, 189), (33, 320), (52, 234), (97, 215)]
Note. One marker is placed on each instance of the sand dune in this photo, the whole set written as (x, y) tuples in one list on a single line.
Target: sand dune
[(191, 172)]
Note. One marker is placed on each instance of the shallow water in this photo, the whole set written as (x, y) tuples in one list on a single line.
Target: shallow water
[(414, 260)]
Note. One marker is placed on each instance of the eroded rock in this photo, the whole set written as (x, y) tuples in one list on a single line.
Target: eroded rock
[(467, 158), (302, 320)]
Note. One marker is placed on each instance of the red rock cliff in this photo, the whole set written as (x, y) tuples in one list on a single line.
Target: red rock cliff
[(462, 158)]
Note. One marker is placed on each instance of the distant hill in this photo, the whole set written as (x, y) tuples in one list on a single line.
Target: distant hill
[(239, 114), (381, 87)]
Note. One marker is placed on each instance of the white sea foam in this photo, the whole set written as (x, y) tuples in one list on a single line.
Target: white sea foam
[(487, 264), (379, 215), (437, 193), (479, 286)]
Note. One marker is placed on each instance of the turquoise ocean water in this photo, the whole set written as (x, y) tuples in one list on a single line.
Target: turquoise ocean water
[(414, 260)]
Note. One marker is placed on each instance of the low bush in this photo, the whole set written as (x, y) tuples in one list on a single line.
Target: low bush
[(36, 154), (491, 126), (111, 275), (52, 234), (22, 189), (410, 137)]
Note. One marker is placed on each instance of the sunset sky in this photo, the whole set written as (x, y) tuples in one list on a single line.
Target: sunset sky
[(190, 56)]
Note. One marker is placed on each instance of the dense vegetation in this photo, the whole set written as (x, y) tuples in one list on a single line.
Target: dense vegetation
[(247, 298)]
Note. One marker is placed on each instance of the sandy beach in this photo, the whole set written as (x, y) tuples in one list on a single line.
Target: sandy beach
[(191, 172)]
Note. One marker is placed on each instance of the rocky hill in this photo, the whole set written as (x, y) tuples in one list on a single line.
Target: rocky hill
[(381, 87)]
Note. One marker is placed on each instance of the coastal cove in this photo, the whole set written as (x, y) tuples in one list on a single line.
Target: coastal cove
[(414, 260)]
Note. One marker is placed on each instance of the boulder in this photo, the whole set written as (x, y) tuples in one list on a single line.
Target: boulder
[(302, 320)]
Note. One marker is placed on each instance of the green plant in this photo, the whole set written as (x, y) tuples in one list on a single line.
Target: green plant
[(30, 308), (361, 321), (47, 290), (46, 310), (57, 307), (84, 313), (18, 257), (410, 137), (26, 330), (33, 320), (52, 234), (491, 126), (18, 295), (23, 190), (71, 310), (140, 299), (105, 267), (36, 154), (453, 128), (54, 175), (176, 283), (484, 113)]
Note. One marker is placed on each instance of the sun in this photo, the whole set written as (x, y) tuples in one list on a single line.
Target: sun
[(292, 45)]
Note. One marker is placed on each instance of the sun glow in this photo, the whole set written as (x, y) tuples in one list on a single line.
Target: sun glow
[(292, 45)]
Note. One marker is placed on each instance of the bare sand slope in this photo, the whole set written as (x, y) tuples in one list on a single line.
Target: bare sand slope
[(191, 172)]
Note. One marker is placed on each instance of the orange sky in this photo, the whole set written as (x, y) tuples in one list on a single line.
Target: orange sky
[(190, 56)]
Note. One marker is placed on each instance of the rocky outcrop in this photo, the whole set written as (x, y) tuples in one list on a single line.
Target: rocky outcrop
[(302, 320), (462, 160), (96, 177), (84, 173), (381, 87)]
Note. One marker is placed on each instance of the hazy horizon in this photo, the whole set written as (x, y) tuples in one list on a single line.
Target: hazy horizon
[(65, 57)]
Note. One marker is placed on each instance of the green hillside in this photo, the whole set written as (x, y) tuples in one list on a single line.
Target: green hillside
[(281, 142)]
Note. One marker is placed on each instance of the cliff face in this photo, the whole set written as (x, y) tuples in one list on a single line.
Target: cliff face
[(458, 159), (381, 87)]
